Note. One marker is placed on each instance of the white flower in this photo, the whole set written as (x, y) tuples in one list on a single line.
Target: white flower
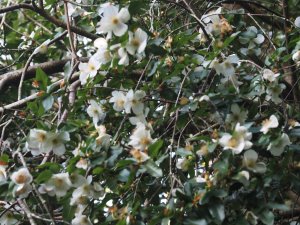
[(22, 176), (204, 98), (103, 139), (58, 184), (141, 137), (238, 141), (273, 92), (118, 98), (95, 111), (296, 56), (182, 164), (89, 70), (297, 22), (82, 163), (250, 162), (8, 219), (277, 147), (56, 141), (37, 142), (269, 123), (134, 102), (237, 115), (227, 67), (137, 42), (270, 75), (114, 20), (141, 118), (42, 49), (124, 58), (103, 55), (81, 220), (22, 191), (82, 194), (139, 156), (3, 174)]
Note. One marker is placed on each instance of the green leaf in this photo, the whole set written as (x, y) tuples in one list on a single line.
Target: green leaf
[(42, 77), (267, 217), (152, 169), (4, 158), (48, 102), (195, 222), (155, 147), (43, 176), (217, 211)]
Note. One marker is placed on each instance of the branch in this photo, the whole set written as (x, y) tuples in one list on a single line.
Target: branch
[(51, 19), (48, 67)]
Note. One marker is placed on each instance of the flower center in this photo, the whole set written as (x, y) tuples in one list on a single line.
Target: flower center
[(115, 20), (232, 142), (120, 103), (41, 137), (145, 141), (135, 42), (59, 182), (91, 67), (21, 179)]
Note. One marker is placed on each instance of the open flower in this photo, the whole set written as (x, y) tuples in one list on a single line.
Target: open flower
[(269, 123), (22, 176), (277, 146), (57, 142), (114, 20), (270, 75), (58, 185), (137, 42), (8, 219), (95, 111), (237, 116), (118, 98), (139, 156), (238, 141), (103, 55), (273, 91), (141, 137), (37, 142), (134, 102), (89, 70)]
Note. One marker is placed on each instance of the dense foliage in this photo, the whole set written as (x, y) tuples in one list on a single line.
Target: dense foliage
[(149, 112)]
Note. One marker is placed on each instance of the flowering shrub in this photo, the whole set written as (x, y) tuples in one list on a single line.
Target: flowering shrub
[(137, 112)]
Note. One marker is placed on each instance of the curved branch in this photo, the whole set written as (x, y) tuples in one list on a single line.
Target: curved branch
[(51, 19)]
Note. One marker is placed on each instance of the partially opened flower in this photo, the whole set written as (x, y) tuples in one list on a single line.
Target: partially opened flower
[(103, 139), (42, 49), (277, 146), (124, 58), (297, 22), (103, 55), (22, 191), (296, 56), (141, 137), (3, 174), (272, 122), (83, 193), (238, 141), (118, 98), (227, 67), (137, 42), (270, 75), (114, 20), (95, 111), (250, 162)]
